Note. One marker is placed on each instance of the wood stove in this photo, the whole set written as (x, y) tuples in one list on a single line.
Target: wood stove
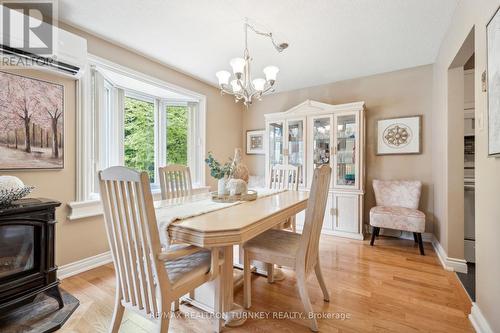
[(27, 268)]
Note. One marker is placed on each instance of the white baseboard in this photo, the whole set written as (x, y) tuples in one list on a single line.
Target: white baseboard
[(450, 264), (83, 265), (478, 321)]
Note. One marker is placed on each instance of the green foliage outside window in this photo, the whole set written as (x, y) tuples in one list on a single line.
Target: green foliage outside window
[(177, 134), (139, 136)]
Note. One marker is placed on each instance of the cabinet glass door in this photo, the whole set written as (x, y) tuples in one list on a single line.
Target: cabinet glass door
[(346, 139), (275, 143), (296, 155), (321, 141)]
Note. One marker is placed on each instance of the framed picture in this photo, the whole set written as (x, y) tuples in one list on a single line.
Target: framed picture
[(493, 85), (31, 123), (255, 142), (399, 136)]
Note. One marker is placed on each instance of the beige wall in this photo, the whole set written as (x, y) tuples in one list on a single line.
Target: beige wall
[(84, 238), (402, 93), (469, 14)]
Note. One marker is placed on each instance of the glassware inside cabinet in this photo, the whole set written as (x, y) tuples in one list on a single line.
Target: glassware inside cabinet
[(295, 151), (346, 150), (275, 143), (321, 141)]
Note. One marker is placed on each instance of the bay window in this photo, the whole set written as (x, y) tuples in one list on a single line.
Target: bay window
[(128, 118)]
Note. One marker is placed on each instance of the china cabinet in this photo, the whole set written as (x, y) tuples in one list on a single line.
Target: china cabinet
[(312, 134)]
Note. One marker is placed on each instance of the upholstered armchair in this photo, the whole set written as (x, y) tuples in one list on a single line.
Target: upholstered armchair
[(397, 208)]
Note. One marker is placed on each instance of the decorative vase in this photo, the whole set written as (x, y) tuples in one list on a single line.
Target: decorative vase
[(221, 186), (240, 169)]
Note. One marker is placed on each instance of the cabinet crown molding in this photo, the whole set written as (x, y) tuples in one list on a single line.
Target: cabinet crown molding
[(308, 106)]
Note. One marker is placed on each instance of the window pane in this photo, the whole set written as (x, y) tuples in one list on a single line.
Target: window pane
[(177, 134), (139, 136)]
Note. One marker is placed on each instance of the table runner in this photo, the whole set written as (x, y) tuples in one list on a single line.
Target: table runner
[(183, 210)]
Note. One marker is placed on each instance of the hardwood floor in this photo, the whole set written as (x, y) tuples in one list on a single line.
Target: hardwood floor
[(385, 288)]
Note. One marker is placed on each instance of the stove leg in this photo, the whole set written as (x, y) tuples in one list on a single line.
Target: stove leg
[(56, 294)]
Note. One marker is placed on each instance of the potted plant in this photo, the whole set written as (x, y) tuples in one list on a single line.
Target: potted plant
[(220, 172)]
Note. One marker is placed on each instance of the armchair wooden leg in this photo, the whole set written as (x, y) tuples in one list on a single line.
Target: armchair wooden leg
[(420, 243), (375, 232), (247, 281), (415, 237)]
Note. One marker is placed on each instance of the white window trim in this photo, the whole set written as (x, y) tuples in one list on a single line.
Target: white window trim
[(85, 205)]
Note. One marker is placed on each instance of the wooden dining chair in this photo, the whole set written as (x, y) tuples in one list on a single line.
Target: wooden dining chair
[(175, 181), (148, 279), (285, 177), (297, 251)]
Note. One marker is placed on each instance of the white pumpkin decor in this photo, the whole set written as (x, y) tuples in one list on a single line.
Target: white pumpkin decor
[(237, 187), (11, 189), (8, 183)]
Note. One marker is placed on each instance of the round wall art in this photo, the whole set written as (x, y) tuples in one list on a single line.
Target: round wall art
[(397, 136)]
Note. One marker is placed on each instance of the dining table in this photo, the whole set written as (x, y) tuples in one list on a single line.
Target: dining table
[(225, 226)]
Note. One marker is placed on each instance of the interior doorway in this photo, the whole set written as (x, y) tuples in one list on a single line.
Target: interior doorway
[(461, 161)]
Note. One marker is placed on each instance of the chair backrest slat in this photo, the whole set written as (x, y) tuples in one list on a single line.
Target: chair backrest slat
[(315, 213), (175, 181), (284, 177), (133, 237)]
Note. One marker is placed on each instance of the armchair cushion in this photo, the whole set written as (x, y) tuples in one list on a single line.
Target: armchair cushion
[(398, 218)]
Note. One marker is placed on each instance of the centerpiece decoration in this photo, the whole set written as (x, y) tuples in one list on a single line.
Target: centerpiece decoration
[(219, 171), (232, 179)]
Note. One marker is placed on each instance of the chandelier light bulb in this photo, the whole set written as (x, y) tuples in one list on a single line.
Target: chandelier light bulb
[(223, 77), (238, 65), (271, 72), (236, 87), (259, 84)]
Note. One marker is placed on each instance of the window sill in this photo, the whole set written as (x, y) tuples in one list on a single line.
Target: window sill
[(83, 209)]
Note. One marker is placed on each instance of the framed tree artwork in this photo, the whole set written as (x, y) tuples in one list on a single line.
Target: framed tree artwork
[(493, 85), (31, 123)]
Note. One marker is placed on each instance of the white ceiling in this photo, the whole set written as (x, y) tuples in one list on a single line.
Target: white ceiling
[(330, 40)]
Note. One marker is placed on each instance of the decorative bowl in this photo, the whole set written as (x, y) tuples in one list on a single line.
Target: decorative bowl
[(8, 196)]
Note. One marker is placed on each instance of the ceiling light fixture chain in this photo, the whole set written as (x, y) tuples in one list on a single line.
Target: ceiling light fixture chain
[(242, 86)]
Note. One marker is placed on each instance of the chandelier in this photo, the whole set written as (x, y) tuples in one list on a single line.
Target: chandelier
[(241, 84)]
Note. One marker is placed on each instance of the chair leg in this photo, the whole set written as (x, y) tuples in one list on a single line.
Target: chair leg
[(176, 305), (375, 232), (304, 296), (117, 313), (321, 281), (164, 322), (415, 237), (270, 273), (420, 243), (247, 281)]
